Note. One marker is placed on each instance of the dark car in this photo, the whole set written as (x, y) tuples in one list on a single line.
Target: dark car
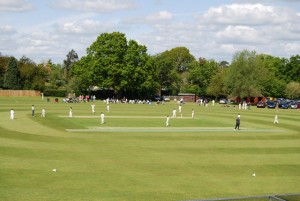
[(281, 103), (261, 104), (284, 105), (271, 104), (157, 98)]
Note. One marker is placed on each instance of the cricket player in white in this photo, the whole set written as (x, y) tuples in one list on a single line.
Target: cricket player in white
[(276, 119), (102, 118), (43, 113), (174, 113), (93, 108), (193, 113), (168, 121), (71, 112), (12, 114)]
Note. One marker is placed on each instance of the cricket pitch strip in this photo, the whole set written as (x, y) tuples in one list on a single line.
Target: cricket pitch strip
[(169, 129)]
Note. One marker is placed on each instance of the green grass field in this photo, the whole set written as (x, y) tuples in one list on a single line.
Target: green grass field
[(134, 156)]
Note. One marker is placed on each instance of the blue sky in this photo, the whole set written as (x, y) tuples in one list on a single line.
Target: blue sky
[(49, 29)]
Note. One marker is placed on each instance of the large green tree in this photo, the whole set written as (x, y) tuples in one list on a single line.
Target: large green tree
[(12, 75), (173, 69), (217, 86), (116, 64), (4, 60), (292, 69), (245, 75), (180, 58), (168, 76), (201, 73), (72, 57), (32, 76), (140, 75), (293, 90), (272, 84)]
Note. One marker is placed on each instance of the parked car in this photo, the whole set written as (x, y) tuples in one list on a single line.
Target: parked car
[(157, 98), (271, 105), (283, 102), (167, 98), (294, 105), (284, 105), (222, 101), (261, 104)]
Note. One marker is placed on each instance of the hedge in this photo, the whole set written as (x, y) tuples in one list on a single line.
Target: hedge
[(55, 93)]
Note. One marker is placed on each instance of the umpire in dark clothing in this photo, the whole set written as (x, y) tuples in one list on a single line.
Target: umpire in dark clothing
[(237, 123)]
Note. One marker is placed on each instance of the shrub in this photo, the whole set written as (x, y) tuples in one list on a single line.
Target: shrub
[(55, 92)]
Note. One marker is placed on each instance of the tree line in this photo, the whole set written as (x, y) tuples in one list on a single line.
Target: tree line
[(124, 67)]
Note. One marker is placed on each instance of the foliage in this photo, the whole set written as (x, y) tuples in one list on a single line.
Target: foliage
[(293, 90), (115, 64), (55, 92), (12, 75), (83, 70), (32, 76), (112, 62), (224, 64), (139, 73), (56, 77), (272, 83), (180, 58), (4, 60), (292, 69), (217, 86), (72, 57), (173, 66), (245, 75), (168, 77), (201, 73)]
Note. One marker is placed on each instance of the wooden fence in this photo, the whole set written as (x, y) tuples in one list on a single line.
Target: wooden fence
[(19, 93)]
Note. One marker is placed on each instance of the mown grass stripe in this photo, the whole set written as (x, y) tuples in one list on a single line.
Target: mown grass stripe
[(178, 129)]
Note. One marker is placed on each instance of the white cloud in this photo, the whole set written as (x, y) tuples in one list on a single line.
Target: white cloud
[(7, 30), (230, 28), (42, 45), (98, 6), (85, 27), (162, 15), (14, 5), (240, 34), (217, 32), (246, 14)]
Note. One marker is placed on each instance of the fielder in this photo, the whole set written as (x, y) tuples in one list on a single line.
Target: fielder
[(276, 119), (43, 114), (32, 110), (168, 121), (12, 114), (93, 108), (102, 118), (174, 113), (71, 112)]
